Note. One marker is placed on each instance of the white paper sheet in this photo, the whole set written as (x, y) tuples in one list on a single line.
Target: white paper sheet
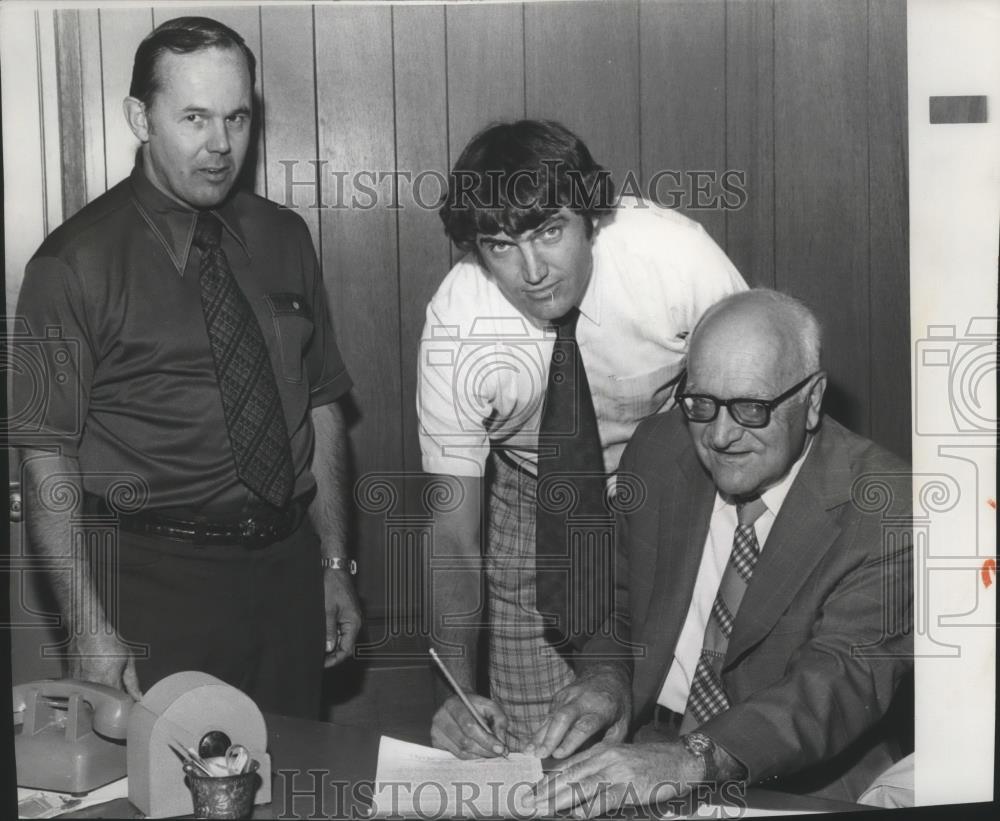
[(47, 804), (415, 781)]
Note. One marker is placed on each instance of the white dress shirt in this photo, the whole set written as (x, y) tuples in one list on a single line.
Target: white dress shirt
[(483, 365), (714, 558)]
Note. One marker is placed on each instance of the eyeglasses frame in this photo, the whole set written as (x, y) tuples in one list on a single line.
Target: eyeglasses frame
[(768, 404)]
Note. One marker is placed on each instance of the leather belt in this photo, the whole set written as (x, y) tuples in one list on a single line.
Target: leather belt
[(254, 531)]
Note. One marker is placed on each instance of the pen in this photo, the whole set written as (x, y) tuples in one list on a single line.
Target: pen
[(465, 699)]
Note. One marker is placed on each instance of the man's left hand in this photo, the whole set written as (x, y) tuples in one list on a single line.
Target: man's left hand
[(595, 701), (343, 615), (609, 776)]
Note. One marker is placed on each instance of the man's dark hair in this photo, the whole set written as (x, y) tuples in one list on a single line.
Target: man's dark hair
[(511, 177), (182, 35)]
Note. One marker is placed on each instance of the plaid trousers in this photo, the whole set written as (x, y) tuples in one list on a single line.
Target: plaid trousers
[(524, 670)]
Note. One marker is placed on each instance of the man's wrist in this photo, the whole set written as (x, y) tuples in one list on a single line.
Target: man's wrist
[(717, 764), (588, 667), (101, 642), (700, 747), (603, 669), (339, 563)]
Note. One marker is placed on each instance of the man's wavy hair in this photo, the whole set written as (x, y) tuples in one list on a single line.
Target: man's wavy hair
[(181, 35), (513, 176)]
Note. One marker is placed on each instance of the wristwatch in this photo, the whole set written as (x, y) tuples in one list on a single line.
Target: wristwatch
[(339, 563), (701, 746)]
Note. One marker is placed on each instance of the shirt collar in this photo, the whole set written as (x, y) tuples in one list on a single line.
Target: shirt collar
[(173, 222), (774, 497), (590, 305)]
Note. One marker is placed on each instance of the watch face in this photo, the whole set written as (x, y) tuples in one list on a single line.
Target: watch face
[(698, 744)]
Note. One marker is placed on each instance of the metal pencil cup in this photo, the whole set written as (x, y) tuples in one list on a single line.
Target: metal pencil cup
[(227, 796)]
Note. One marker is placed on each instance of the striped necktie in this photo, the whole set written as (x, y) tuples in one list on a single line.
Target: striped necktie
[(707, 697), (250, 400)]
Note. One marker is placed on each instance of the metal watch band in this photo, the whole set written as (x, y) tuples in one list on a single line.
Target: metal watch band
[(340, 563), (700, 745)]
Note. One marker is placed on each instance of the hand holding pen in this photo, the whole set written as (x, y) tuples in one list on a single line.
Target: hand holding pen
[(452, 730)]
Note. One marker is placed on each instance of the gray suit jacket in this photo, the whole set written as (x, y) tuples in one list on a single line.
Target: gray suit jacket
[(824, 634)]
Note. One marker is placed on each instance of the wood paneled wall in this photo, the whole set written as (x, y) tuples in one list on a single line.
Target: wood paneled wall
[(807, 97)]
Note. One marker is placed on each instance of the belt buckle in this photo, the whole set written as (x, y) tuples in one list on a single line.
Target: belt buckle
[(254, 534), (248, 527)]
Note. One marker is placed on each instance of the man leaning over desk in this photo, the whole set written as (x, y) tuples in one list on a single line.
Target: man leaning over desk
[(562, 327), (769, 586), (190, 385)]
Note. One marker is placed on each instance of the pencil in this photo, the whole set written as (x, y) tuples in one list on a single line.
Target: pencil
[(465, 699)]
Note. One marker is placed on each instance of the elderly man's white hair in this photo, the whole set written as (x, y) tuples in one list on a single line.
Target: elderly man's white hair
[(788, 310)]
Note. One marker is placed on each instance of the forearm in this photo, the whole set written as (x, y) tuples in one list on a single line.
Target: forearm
[(617, 673), (328, 511), (830, 694), (796, 723), (456, 612), (53, 494), (455, 576)]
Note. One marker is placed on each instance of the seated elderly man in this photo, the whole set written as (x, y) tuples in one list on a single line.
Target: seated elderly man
[(769, 585)]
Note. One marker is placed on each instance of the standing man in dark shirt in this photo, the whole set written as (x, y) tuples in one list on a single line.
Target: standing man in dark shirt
[(186, 394)]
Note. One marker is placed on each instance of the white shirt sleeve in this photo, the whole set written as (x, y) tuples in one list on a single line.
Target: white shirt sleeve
[(451, 416)]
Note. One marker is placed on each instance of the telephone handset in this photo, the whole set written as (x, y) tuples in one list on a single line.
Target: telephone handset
[(110, 706), (62, 742)]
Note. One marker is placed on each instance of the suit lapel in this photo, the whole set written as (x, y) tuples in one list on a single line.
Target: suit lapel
[(804, 530), (685, 510)]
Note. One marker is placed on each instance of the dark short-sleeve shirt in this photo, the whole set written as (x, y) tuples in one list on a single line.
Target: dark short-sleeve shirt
[(115, 367)]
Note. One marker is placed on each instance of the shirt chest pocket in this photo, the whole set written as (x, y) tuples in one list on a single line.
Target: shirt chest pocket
[(293, 327), (636, 397)]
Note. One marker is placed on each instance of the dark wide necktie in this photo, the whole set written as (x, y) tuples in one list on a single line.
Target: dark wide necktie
[(250, 401), (707, 697), (574, 551)]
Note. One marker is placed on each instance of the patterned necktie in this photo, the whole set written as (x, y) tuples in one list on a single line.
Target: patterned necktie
[(708, 697), (573, 553), (250, 401)]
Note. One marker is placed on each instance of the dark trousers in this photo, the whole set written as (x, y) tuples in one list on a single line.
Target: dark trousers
[(253, 618)]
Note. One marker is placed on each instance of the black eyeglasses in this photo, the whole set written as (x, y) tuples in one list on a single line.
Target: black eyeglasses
[(751, 413)]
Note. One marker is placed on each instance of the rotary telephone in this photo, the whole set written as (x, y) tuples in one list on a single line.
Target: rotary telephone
[(69, 735)]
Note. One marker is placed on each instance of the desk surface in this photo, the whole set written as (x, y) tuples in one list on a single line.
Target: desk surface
[(326, 770)]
